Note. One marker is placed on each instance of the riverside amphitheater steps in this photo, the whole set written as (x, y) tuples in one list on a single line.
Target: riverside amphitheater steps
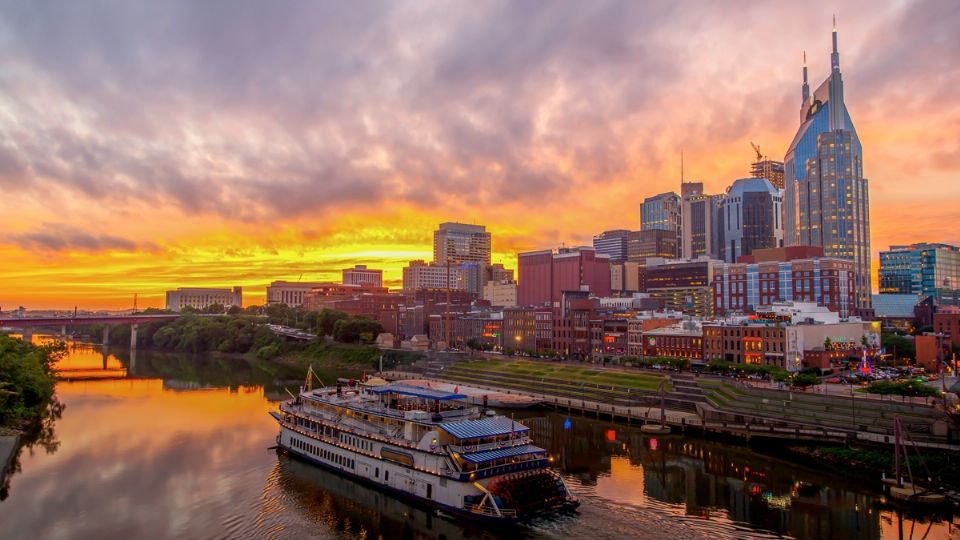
[(682, 398), (828, 411)]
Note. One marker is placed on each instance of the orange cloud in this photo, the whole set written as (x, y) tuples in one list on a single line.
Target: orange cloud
[(194, 157)]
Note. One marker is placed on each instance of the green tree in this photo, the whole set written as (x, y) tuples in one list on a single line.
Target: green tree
[(356, 329), (803, 380), (327, 319), (897, 345), (27, 380), (214, 309)]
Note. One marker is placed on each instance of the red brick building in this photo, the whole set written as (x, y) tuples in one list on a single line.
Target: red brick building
[(744, 287), (949, 324), (543, 276), (675, 341)]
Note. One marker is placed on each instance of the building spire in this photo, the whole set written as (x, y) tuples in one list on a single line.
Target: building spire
[(838, 108), (835, 55), (806, 86)]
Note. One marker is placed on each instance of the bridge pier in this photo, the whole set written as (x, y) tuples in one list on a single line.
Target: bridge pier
[(27, 335), (106, 335), (63, 330), (133, 336)]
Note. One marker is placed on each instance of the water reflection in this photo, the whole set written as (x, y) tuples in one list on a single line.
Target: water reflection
[(163, 445), (715, 487), (333, 503)]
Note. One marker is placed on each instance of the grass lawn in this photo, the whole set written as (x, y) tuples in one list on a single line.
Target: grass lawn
[(574, 374)]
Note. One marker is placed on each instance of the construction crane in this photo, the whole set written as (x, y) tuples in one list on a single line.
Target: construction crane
[(757, 150)]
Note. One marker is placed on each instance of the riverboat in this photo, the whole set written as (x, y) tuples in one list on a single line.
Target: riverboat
[(425, 445)]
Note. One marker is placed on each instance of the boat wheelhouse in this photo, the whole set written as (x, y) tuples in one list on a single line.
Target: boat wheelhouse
[(425, 444)]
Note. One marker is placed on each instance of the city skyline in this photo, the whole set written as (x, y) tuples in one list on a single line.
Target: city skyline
[(133, 173)]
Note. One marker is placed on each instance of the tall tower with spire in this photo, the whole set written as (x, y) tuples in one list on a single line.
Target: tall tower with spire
[(827, 197)]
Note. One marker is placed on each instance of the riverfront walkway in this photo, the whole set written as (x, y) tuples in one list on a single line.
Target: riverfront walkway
[(772, 414)]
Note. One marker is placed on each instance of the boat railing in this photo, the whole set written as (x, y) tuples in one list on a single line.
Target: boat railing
[(488, 511), (466, 448)]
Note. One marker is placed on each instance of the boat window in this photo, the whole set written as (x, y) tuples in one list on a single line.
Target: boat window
[(386, 475), (429, 491), (377, 472)]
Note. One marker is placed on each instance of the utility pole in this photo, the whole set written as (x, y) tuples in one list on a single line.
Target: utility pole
[(446, 317), (134, 302)]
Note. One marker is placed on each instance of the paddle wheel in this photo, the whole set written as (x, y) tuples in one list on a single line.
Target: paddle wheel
[(529, 492)]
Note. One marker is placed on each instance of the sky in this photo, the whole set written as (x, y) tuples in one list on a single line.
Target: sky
[(146, 146)]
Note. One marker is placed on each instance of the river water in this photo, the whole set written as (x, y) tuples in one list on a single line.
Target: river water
[(178, 446)]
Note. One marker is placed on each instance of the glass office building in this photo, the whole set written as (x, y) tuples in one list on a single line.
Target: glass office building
[(827, 199), (924, 270)]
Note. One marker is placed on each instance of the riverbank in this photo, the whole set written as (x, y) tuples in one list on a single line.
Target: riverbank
[(943, 466), (27, 382)]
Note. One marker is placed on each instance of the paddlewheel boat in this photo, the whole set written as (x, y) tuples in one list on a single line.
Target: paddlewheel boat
[(426, 445)]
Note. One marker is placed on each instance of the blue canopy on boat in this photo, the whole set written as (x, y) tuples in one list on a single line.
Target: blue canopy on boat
[(415, 391), (485, 427), (501, 453)]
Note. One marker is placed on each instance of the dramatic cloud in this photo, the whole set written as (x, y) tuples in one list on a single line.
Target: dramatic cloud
[(236, 122), (63, 237)]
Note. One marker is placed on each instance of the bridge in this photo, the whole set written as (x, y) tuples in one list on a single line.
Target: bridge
[(28, 324), (289, 332)]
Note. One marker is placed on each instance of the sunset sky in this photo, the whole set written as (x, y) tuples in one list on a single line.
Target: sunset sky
[(151, 145)]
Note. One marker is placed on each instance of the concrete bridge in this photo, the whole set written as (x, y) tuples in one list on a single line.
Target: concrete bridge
[(29, 324)]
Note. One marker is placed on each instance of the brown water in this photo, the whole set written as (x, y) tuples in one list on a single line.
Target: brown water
[(178, 446)]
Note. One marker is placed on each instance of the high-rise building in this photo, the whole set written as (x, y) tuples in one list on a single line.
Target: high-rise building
[(827, 201), (612, 244), (750, 218), (662, 212), (699, 230), (457, 243), (361, 275), (421, 275), (651, 243), (545, 275), (769, 169), (924, 270)]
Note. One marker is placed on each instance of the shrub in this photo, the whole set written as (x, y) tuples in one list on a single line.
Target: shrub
[(904, 388)]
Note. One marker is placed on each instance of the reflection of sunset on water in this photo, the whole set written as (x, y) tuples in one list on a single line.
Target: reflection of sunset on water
[(189, 455)]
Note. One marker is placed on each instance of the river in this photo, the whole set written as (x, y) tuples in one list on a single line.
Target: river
[(168, 445)]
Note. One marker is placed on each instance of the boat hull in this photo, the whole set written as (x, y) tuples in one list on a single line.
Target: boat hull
[(401, 494), (361, 469)]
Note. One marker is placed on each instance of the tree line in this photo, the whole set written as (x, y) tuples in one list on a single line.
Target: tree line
[(244, 330)]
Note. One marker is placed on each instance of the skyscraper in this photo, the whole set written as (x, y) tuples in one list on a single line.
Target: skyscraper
[(662, 212), (750, 218), (457, 243), (613, 244), (699, 231), (827, 202)]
